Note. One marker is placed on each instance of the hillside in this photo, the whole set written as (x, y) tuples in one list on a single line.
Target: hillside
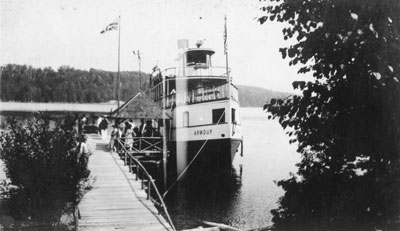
[(21, 83), (257, 96)]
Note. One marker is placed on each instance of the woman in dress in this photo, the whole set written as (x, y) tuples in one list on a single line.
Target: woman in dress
[(129, 134)]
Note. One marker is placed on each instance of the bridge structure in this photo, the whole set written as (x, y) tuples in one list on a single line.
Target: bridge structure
[(123, 195)]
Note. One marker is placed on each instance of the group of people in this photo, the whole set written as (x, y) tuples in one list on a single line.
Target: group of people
[(82, 123), (126, 132), (123, 134)]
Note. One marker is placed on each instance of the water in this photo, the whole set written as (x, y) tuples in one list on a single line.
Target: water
[(243, 197)]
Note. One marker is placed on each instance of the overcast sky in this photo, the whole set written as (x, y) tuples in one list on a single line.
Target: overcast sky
[(44, 33)]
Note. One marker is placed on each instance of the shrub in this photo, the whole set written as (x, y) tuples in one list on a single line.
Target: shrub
[(42, 164)]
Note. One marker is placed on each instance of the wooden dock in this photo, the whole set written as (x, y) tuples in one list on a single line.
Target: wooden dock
[(116, 201)]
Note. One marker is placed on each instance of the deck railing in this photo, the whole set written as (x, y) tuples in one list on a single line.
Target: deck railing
[(197, 70), (144, 145), (197, 95)]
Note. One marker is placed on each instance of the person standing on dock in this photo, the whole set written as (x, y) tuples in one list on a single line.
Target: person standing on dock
[(129, 134), (141, 127), (114, 137), (103, 128), (131, 123), (84, 151), (148, 129)]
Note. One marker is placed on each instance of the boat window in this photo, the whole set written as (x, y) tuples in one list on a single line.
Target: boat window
[(234, 116), (186, 119), (218, 115), (194, 58)]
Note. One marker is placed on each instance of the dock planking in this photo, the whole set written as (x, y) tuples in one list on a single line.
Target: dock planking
[(116, 201)]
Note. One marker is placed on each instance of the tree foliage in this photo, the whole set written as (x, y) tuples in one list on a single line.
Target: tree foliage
[(43, 166), (25, 84), (347, 121)]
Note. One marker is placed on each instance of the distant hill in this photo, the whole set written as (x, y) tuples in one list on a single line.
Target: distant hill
[(257, 96), (23, 83)]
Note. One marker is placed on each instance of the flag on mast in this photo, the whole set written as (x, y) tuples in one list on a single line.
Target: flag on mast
[(116, 25), (137, 54), (225, 38), (111, 26)]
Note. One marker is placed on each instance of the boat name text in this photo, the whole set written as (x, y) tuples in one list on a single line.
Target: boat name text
[(203, 132)]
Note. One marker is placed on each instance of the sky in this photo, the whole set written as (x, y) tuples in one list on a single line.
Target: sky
[(55, 33)]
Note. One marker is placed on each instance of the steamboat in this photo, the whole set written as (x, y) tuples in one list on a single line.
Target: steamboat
[(202, 106)]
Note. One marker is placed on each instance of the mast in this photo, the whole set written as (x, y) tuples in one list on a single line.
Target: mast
[(140, 74), (164, 135), (228, 113), (226, 52), (119, 45)]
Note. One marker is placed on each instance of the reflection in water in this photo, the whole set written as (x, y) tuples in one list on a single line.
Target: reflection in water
[(243, 196), (202, 194)]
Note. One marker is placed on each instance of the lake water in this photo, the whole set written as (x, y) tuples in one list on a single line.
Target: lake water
[(244, 197)]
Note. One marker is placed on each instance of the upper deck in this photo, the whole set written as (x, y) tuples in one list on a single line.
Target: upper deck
[(193, 95), (193, 80)]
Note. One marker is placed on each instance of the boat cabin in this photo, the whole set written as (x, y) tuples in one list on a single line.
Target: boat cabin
[(194, 79), (198, 57)]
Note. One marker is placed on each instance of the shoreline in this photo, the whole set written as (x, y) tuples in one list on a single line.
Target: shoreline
[(72, 107)]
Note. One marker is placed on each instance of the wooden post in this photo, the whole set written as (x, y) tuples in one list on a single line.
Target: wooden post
[(76, 217), (164, 135), (130, 164), (137, 171), (149, 188)]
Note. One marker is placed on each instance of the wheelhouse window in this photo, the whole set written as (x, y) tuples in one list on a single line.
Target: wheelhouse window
[(198, 57), (218, 115)]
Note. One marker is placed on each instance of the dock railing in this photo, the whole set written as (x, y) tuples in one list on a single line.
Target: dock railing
[(137, 145), (129, 158)]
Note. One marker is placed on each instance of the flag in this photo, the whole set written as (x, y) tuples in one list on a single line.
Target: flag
[(111, 26), (138, 55), (225, 38)]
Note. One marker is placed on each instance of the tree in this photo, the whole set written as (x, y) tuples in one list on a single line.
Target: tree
[(42, 163), (21, 83), (347, 120)]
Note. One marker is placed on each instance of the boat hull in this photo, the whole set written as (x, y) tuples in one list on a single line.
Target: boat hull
[(213, 153)]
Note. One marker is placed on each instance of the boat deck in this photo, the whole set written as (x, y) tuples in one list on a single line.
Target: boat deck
[(116, 200)]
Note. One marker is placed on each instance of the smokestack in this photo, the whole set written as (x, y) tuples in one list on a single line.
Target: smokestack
[(183, 43)]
